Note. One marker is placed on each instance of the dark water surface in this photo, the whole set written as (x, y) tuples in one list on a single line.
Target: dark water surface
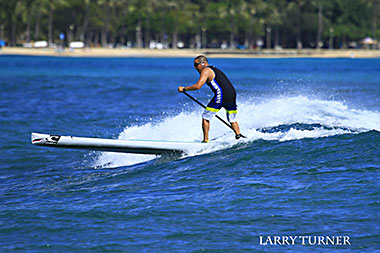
[(309, 167)]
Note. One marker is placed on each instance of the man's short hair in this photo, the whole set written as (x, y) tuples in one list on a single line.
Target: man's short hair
[(201, 58)]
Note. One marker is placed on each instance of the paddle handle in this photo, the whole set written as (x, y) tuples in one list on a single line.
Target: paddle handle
[(192, 98), (199, 103)]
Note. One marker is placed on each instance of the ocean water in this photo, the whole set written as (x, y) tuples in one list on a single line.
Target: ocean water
[(309, 167)]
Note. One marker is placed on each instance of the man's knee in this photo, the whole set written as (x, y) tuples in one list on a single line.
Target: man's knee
[(231, 116), (208, 115)]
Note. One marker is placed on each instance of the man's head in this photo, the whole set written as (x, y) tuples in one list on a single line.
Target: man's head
[(200, 62)]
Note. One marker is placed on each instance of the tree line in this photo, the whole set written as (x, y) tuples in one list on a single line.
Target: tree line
[(191, 23)]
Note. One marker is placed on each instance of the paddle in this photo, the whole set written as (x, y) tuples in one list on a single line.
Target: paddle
[(219, 118)]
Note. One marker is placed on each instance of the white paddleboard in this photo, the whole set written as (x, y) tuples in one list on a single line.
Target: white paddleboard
[(115, 145)]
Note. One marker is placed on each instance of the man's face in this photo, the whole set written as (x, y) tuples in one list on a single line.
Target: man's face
[(198, 66)]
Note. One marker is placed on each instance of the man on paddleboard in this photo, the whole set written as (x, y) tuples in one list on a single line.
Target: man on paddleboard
[(224, 95)]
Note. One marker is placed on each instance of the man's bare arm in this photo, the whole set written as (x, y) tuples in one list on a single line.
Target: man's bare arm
[(207, 74)]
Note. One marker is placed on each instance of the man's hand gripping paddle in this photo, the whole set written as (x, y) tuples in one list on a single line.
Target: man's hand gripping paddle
[(219, 118)]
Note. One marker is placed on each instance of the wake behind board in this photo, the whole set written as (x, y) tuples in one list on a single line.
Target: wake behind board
[(114, 145)]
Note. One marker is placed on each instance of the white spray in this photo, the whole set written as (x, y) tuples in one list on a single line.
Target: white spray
[(334, 118)]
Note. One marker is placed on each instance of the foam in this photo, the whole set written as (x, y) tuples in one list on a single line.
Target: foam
[(334, 118)]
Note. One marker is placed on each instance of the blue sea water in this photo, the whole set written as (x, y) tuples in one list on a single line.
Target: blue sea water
[(309, 167)]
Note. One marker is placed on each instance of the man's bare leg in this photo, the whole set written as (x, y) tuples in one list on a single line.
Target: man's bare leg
[(235, 127), (206, 128)]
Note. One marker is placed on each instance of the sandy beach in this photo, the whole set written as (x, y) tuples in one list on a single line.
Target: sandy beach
[(265, 53)]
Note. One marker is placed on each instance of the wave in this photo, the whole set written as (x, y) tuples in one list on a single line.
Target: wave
[(279, 119)]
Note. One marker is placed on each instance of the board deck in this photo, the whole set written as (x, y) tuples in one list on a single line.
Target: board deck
[(154, 147)]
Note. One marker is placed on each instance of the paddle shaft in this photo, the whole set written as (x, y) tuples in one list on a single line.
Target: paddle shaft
[(199, 103)]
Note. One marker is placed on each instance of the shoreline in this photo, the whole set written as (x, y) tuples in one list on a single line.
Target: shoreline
[(191, 53)]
